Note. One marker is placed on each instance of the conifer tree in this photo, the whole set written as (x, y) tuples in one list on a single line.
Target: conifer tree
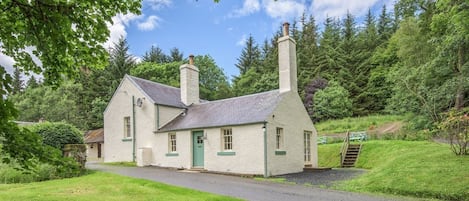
[(250, 56), (17, 82)]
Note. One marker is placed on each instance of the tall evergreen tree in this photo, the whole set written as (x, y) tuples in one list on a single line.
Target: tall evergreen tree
[(250, 56), (385, 26), (120, 62), (175, 55), (17, 83), (330, 55), (156, 55), (307, 51)]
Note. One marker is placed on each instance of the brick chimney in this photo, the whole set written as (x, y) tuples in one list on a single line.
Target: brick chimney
[(287, 61), (189, 82)]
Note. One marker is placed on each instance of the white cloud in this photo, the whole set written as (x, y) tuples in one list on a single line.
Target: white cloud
[(242, 41), (149, 24), (7, 62), (249, 7), (117, 29), (158, 4), (284, 9), (338, 8)]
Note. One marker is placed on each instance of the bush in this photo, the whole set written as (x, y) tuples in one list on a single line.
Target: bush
[(332, 102), (455, 127), (58, 134)]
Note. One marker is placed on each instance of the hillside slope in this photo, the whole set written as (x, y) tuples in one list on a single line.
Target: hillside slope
[(413, 168)]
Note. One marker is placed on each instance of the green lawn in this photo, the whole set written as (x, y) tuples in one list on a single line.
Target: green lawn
[(355, 123), (411, 168), (101, 186)]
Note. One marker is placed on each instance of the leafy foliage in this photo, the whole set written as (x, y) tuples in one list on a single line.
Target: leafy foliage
[(56, 32), (455, 127), (58, 134), (332, 102)]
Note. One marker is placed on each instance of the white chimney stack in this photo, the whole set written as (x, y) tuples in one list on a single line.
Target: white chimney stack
[(189, 82), (287, 61)]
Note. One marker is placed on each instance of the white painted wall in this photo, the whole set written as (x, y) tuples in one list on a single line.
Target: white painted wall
[(183, 146), (119, 107), (92, 152), (248, 141), (247, 145), (167, 114), (290, 115)]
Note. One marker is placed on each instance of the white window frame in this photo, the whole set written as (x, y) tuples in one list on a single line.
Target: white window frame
[(172, 143), (307, 146), (279, 139), (127, 128), (227, 139)]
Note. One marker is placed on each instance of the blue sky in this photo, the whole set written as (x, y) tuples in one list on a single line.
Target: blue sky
[(218, 29)]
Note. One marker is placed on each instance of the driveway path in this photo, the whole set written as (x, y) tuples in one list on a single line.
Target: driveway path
[(243, 188)]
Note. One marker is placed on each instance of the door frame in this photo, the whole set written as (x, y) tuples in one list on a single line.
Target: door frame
[(305, 143), (193, 133)]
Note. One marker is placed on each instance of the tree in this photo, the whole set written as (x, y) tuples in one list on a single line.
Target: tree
[(120, 63), (175, 55), (17, 82), (212, 79), (316, 84), (156, 55), (166, 73), (250, 56), (63, 35), (332, 102), (32, 82)]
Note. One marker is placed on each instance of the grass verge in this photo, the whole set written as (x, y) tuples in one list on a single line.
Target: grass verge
[(355, 123), (410, 168), (102, 186)]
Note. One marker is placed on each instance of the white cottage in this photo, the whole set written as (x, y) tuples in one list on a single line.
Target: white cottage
[(268, 133)]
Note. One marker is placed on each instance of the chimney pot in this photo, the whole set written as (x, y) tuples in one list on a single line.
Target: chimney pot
[(286, 29), (191, 59)]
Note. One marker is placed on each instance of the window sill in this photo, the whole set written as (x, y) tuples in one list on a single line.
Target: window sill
[(172, 154), (126, 139), (280, 153), (226, 153)]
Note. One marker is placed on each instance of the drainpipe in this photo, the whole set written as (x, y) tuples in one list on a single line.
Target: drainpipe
[(264, 128), (133, 129), (157, 117)]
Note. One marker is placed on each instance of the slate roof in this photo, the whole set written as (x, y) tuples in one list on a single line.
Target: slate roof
[(93, 136), (158, 93), (248, 109)]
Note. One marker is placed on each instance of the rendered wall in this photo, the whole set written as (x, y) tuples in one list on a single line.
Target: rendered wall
[(290, 115)]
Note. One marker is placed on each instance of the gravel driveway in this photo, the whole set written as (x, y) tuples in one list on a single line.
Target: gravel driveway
[(324, 178), (244, 188)]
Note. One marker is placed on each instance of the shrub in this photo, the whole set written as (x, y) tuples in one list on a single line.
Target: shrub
[(332, 102), (58, 134), (455, 127)]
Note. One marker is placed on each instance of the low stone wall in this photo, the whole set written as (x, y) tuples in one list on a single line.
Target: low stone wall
[(77, 152)]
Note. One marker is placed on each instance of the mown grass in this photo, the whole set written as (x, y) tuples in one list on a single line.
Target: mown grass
[(355, 123), (101, 186), (410, 168)]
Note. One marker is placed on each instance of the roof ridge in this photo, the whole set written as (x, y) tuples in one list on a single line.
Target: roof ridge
[(145, 80), (238, 97)]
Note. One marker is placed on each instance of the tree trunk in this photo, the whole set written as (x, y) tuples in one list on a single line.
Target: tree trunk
[(459, 103)]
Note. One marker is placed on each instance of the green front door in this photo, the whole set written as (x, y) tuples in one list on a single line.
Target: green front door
[(198, 148)]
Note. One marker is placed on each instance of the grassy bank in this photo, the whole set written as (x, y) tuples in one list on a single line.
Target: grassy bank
[(420, 169), (355, 123), (101, 186)]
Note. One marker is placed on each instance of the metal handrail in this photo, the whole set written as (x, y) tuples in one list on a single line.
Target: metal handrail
[(344, 147)]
